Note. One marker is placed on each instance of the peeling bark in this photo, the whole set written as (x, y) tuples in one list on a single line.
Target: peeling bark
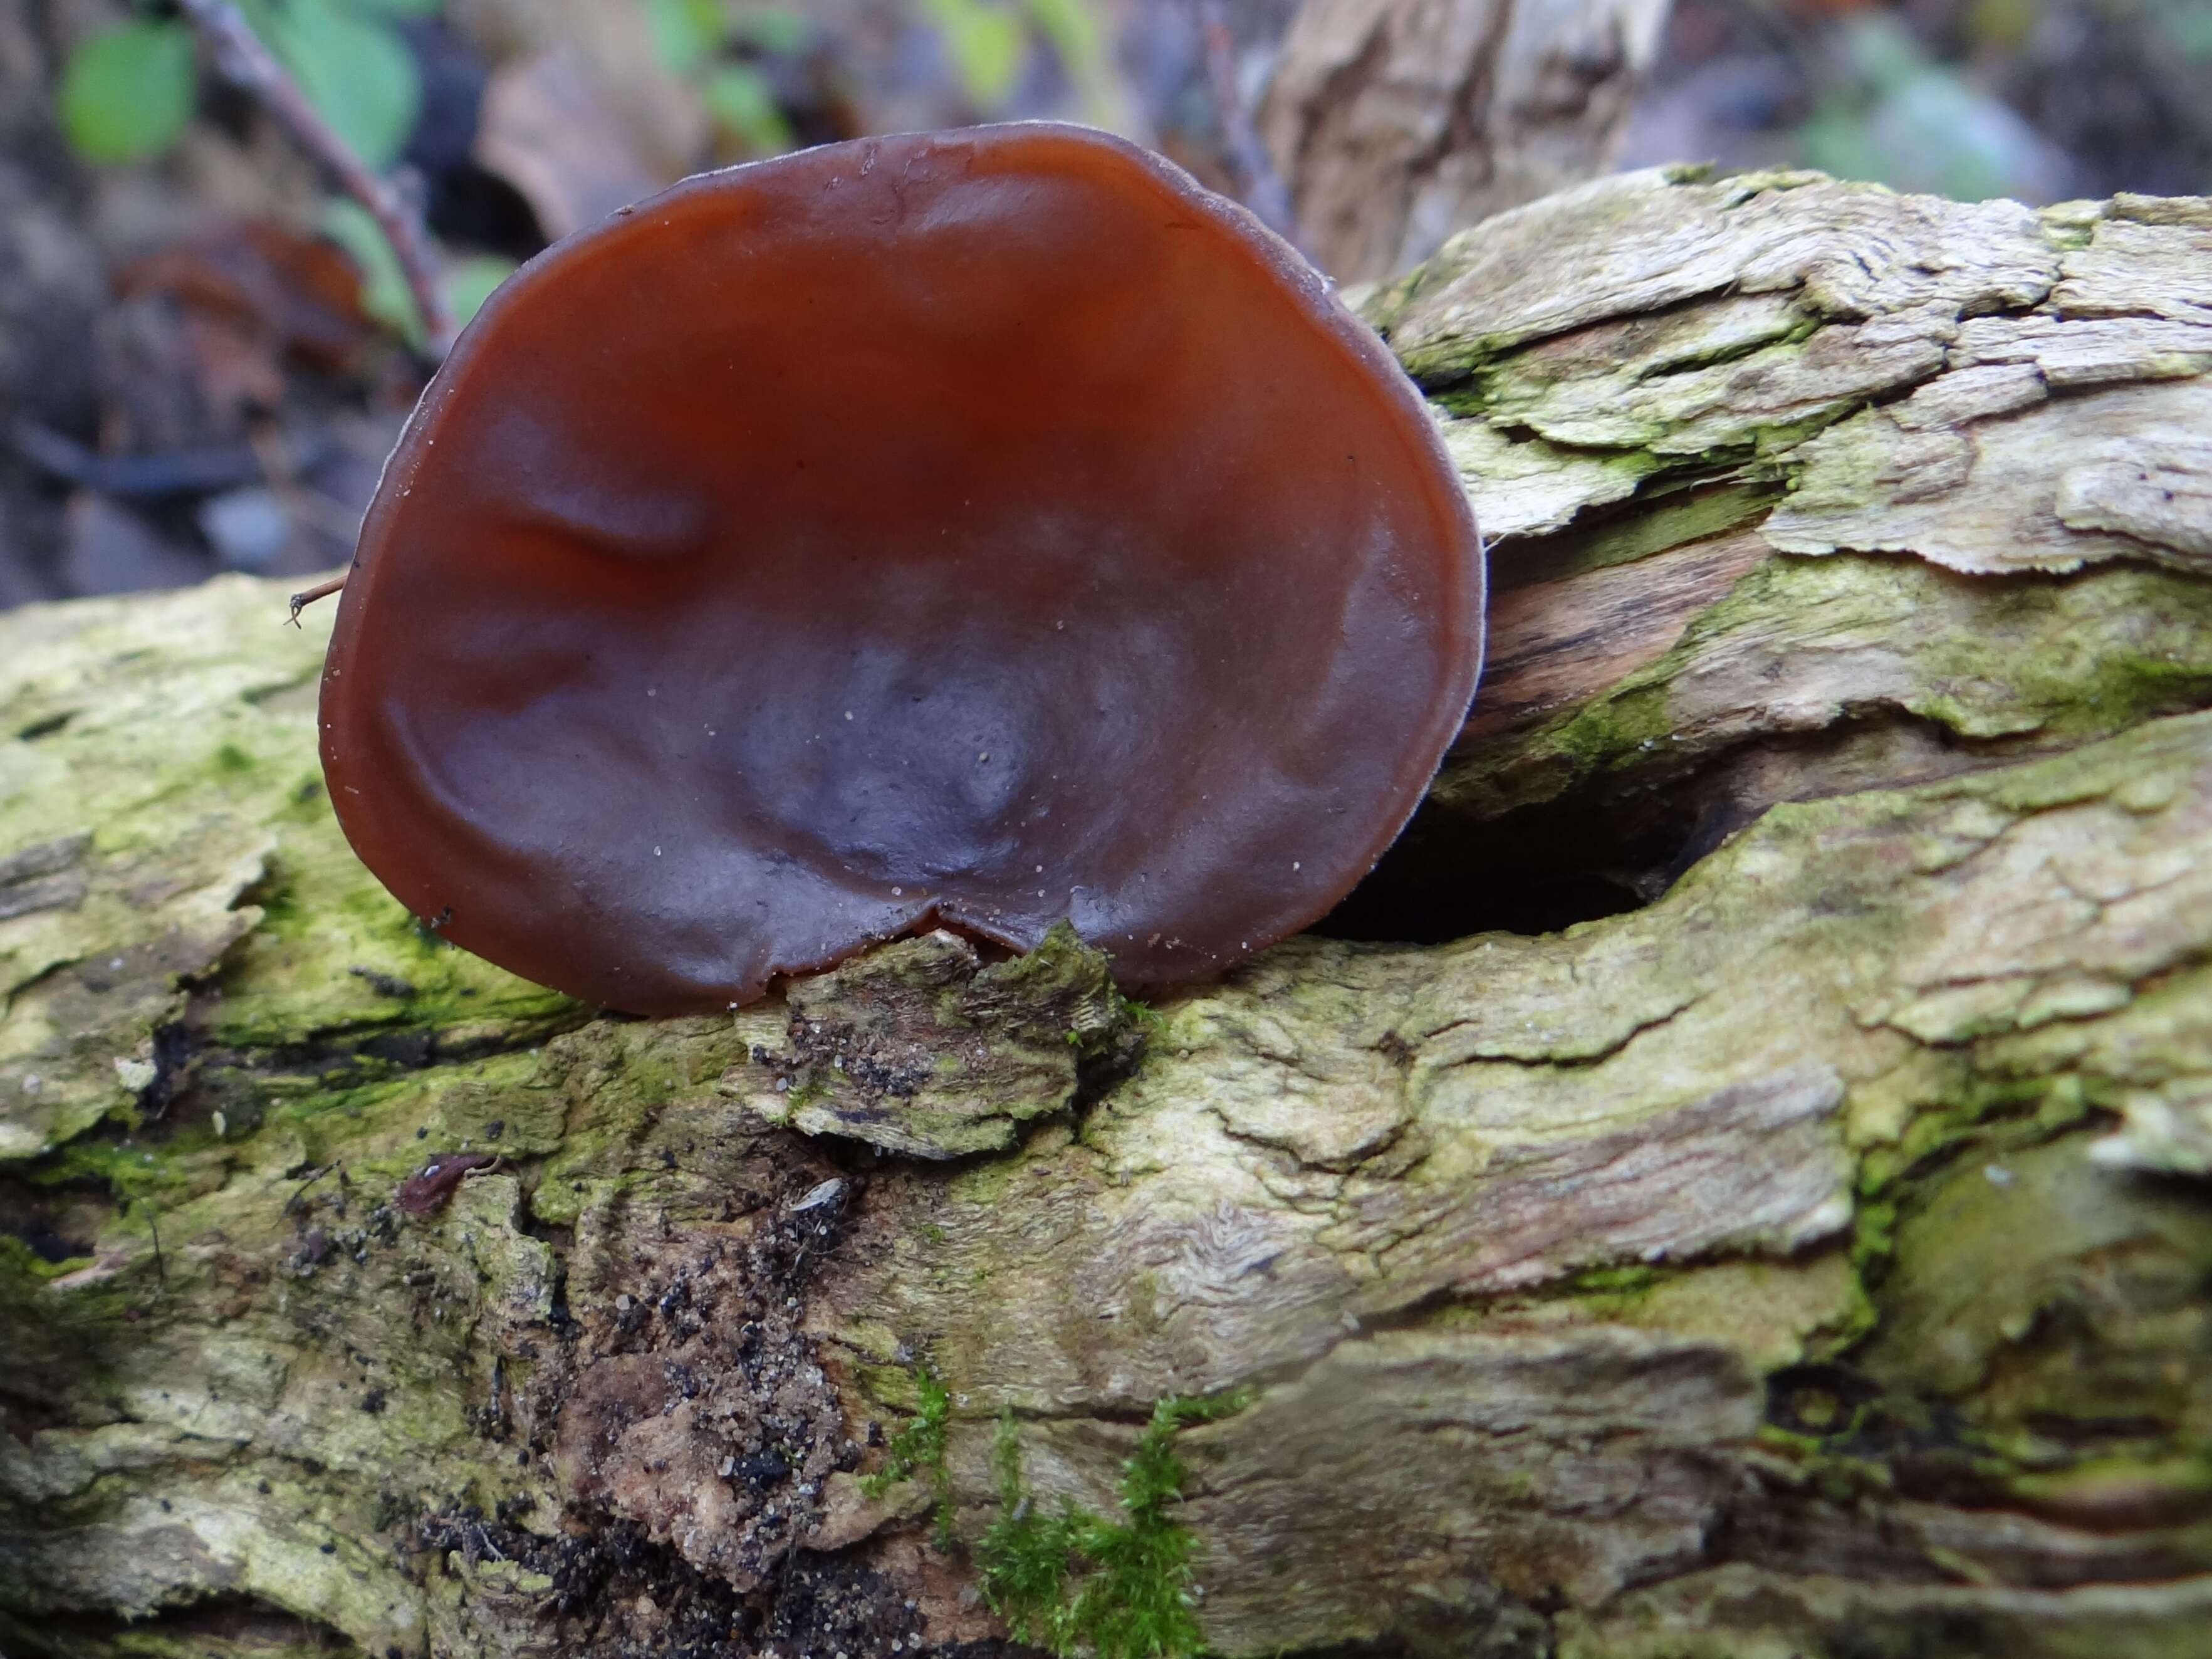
[(1806, 1251)]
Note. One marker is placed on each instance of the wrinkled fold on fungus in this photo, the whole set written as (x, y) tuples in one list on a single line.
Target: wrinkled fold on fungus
[(969, 529)]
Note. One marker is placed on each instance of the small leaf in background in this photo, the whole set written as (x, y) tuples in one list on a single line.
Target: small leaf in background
[(777, 30), (403, 7), (384, 294), (128, 92), (356, 71), (1080, 38), (739, 97), (467, 283), (685, 33), (987, 44)]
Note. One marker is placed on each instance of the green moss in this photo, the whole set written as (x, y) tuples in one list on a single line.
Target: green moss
[(2079, 656), (169, 1173), (1074, 1581), (1650, 522), (1874, 1234), (919, 1448), (335, 954), (2181, 1483), (24, 1273), (1142, 1016), (1996, 1110), (1616, 1281), (1611, 1292), (1824, 1464), (1615, 728), (1452, 358)]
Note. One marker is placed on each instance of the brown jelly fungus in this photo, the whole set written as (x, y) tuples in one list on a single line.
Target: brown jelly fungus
[(968, 529)]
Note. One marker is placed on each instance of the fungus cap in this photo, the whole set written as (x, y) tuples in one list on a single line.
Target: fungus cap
[(976, 529)]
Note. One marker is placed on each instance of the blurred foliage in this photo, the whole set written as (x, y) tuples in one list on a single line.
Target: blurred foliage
[(1897, 116), (1079, 35), (712, 45), (989, 47), (2038, 99), (989, 44), (352, 64), (466, 282), (128, 92), (469, 281)]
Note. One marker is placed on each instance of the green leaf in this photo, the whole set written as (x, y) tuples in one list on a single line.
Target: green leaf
[(739, 97), (384, 294), (127, 93), (355, 70), (401, 8), (685, 33), (469, 283), (987, 44)]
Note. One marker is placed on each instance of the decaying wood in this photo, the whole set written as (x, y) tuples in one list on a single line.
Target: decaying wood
[(1395, 122), (1806, 1252)]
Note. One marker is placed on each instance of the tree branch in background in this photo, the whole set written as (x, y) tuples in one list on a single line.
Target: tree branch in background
[(249, 65), (1258, 184)]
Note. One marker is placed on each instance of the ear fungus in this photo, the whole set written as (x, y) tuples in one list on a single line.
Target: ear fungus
[(973, 529)]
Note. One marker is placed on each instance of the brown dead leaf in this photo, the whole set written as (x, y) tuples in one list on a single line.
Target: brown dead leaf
[(263, 282), (548, 132), (581, 116)]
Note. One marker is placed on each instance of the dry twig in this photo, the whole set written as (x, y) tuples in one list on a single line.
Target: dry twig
[(307, 597)]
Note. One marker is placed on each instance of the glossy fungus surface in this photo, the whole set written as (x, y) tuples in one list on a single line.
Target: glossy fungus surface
[(969, 529)]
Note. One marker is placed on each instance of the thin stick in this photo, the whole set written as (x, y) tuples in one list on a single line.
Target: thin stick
[(153, 1226), (1258, 184), (307, 597), (250, 65), (293, 1205)]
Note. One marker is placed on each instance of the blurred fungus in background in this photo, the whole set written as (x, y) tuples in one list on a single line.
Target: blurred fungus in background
[(206, 348)]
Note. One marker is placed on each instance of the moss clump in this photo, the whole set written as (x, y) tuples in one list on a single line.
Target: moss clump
[(1074, 1580), (1142, 1016), (919, 1448)]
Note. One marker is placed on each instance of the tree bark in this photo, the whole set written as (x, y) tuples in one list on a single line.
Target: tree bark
[(1738, 1188), (1396, 122)]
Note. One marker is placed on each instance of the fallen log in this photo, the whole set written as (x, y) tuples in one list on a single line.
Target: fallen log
[(1733, 1182)]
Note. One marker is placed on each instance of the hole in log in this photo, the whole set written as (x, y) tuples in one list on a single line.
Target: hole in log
[(1531, 872)]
